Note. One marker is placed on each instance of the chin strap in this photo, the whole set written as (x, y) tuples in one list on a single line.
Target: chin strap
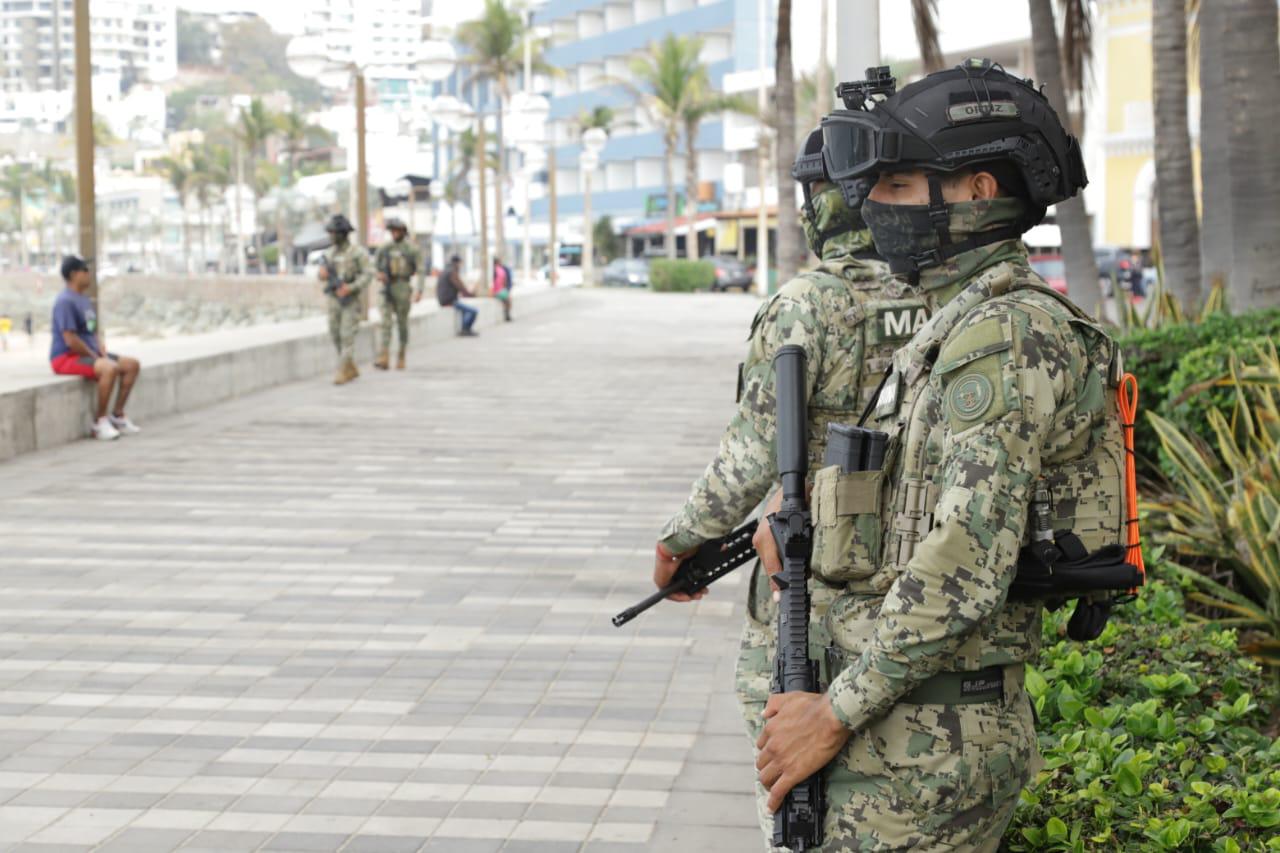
[(940, 219)]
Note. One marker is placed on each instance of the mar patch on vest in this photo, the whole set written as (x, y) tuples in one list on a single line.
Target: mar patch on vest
[(900, 322)]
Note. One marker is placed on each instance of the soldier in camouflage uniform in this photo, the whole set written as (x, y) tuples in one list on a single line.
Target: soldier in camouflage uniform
[(849, 317), (397, 261), (350, 263), (1007, 392)]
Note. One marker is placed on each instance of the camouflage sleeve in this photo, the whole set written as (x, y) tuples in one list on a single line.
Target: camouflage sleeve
[(744, 468), (960, 572), (364, 269), (418, 260)]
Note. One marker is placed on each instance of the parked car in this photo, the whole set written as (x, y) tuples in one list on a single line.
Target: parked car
[(1053, 269), (731, 272), (626, 272)]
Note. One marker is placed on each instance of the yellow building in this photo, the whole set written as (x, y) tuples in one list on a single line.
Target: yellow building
[(1119, 140)]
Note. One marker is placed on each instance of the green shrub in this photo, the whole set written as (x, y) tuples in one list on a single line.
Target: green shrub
[(681, 276), (1154, 356), (1152, 740)]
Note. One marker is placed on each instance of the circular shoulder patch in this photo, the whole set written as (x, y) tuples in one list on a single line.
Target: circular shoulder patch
[(971, 396)]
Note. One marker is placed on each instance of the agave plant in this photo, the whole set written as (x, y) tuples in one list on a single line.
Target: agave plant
[(1226, 513)]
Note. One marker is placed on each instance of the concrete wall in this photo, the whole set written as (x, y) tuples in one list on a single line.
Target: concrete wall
[(58, 411)]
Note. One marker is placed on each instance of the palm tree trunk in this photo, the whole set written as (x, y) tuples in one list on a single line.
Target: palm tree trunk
[(22, 232), (1077, 243), (790, 238), (1253, 96), (822, 102), (499, 209), (1215, 159), (1175, 183), (668, 156), (691, 190), (186, 235), (204, 237)]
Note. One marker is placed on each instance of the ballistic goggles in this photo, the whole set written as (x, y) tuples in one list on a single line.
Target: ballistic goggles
[(857, 144)]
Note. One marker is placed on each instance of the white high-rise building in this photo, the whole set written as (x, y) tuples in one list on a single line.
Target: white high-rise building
[(381, 36), (133, 41)]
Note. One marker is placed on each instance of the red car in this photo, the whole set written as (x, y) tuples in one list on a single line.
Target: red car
[(1052, 269)]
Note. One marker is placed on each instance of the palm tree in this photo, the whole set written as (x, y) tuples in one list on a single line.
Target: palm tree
[(669, 75), (1175, 181), (1240, 97), (495, 51), (1077, 243), (255, 126), (790, 238), (17, 181), (924, 15), (183, 180), (214, 175)]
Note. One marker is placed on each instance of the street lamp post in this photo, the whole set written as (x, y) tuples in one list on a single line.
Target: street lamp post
[(85, 196), (593, 142), (530, 113), (453, 116)]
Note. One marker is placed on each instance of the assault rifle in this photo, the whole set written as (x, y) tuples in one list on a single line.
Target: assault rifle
[(712, 561), (332, 282), (384, 267), (798, 824)]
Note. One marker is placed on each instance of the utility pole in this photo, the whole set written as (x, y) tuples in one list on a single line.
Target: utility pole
[(86, 204), (553, 247), (362, 181), (481, 167)]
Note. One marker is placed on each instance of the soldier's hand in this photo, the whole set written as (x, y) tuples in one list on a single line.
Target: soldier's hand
[(664, 568), (801, 735), (417, 297), (382, 277), (763, 542), (323, 274), (344, 292)]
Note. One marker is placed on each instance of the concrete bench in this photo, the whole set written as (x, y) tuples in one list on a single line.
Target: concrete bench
[(182, 374)]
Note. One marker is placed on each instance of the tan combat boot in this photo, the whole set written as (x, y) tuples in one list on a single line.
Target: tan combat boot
[(382, 361), (400, 361), (349, 370), (341, 377)]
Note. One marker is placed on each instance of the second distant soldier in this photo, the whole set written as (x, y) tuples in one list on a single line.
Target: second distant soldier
[(397, 262), (345, 272)]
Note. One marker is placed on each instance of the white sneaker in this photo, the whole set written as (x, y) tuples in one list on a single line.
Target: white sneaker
[(125, 426), (104, 431)]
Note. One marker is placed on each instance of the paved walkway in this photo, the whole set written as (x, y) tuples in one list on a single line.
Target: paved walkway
[(376, 618)]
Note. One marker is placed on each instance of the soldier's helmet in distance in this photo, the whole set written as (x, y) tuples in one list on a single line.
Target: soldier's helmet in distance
[(964, 117), (396, 224), (338, 224), (833, 211)]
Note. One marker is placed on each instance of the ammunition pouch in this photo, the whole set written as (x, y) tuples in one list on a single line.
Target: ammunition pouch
[(847, 505)]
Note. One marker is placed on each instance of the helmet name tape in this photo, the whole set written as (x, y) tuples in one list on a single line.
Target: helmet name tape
[(977, 110)]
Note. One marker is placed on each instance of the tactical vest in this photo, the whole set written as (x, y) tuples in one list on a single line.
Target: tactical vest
[(400, 264), (869, 523)]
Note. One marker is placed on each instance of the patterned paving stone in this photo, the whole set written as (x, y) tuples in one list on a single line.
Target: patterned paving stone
[(376, 618)]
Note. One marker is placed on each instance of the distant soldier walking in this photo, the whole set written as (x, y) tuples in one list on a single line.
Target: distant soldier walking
[(397, 261), (345, 272)]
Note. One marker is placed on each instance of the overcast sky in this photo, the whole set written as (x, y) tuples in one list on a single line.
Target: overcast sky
[(1000, 21)]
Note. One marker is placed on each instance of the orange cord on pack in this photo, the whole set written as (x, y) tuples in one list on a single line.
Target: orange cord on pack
[(1127, 398)]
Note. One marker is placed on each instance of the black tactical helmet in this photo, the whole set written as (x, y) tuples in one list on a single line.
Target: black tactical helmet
[(338, 224), (809, 168), (967, 116), (395, 223)]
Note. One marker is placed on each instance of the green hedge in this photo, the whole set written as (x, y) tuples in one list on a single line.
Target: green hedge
[(1152, 739), (681, 276), (1155, 356)]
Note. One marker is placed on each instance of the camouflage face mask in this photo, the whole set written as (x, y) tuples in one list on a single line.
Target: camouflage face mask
[(905, 232), (827, 216)]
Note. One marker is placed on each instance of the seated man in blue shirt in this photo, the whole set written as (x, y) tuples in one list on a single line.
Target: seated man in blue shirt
[(78, 350)]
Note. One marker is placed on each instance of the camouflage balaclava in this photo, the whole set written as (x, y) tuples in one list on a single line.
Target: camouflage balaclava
[(906, 231), (831, 227)]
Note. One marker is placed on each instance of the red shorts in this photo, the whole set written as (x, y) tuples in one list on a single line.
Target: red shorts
[(72, 364)]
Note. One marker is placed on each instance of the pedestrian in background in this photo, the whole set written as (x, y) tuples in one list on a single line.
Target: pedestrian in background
[(79, 349), (448, 288), (397, 261), (502, 282)]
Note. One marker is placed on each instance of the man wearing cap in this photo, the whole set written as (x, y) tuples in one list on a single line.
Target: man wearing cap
[(397, 261), (79, 349), (345, 272)]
